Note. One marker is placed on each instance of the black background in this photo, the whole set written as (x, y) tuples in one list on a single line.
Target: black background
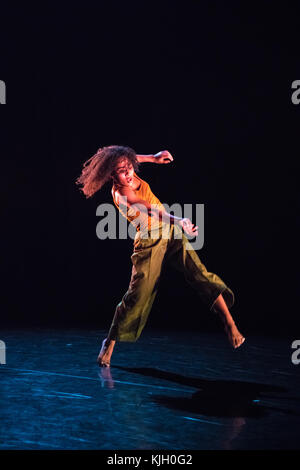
[(208, 80)]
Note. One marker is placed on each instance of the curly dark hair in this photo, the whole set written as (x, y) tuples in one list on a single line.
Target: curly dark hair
[(99, 169)]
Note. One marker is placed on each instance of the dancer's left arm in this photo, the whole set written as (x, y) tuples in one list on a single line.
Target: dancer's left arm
[(161, 157)]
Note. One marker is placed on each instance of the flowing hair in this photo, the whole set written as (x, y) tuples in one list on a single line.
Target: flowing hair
[(99, 169)]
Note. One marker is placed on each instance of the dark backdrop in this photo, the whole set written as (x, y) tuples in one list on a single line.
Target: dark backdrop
[(209, 81)]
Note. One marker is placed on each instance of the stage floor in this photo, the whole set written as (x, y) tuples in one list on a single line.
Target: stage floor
[(167, 391)]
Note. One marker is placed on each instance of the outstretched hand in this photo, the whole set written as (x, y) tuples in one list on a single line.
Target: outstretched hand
[(189, 227), (163, 157)]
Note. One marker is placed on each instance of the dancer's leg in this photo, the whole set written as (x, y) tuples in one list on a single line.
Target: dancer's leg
[(132, 312), (106, 352), (210, 287), (234, 336)]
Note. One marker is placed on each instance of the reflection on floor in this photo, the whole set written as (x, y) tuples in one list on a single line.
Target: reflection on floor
[(167, 391)]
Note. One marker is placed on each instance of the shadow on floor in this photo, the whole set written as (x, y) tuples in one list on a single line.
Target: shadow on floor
[(220, 398)]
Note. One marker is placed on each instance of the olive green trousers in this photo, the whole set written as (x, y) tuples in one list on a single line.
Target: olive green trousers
[(149, 256)]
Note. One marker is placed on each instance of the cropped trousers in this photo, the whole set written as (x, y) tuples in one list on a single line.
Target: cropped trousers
[(150, 255)]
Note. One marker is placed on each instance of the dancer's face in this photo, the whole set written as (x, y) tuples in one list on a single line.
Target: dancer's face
[(123, 173)]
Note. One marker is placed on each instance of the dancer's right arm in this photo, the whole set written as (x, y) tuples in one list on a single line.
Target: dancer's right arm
[(127, 196)]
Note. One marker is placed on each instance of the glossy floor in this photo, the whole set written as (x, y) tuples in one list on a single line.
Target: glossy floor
[(167, 391)]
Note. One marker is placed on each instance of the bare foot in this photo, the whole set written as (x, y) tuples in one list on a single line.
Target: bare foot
[(105, 353), (236, 339)]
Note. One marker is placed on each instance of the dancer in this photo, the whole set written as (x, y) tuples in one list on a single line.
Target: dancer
[(160, 241)]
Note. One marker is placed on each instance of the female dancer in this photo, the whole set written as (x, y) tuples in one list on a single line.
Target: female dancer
[(153, 249)]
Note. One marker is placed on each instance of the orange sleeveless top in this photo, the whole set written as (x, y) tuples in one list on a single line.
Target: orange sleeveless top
[(145, 222)]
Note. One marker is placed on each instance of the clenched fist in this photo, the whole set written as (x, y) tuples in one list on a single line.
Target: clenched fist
[(163, 157)]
